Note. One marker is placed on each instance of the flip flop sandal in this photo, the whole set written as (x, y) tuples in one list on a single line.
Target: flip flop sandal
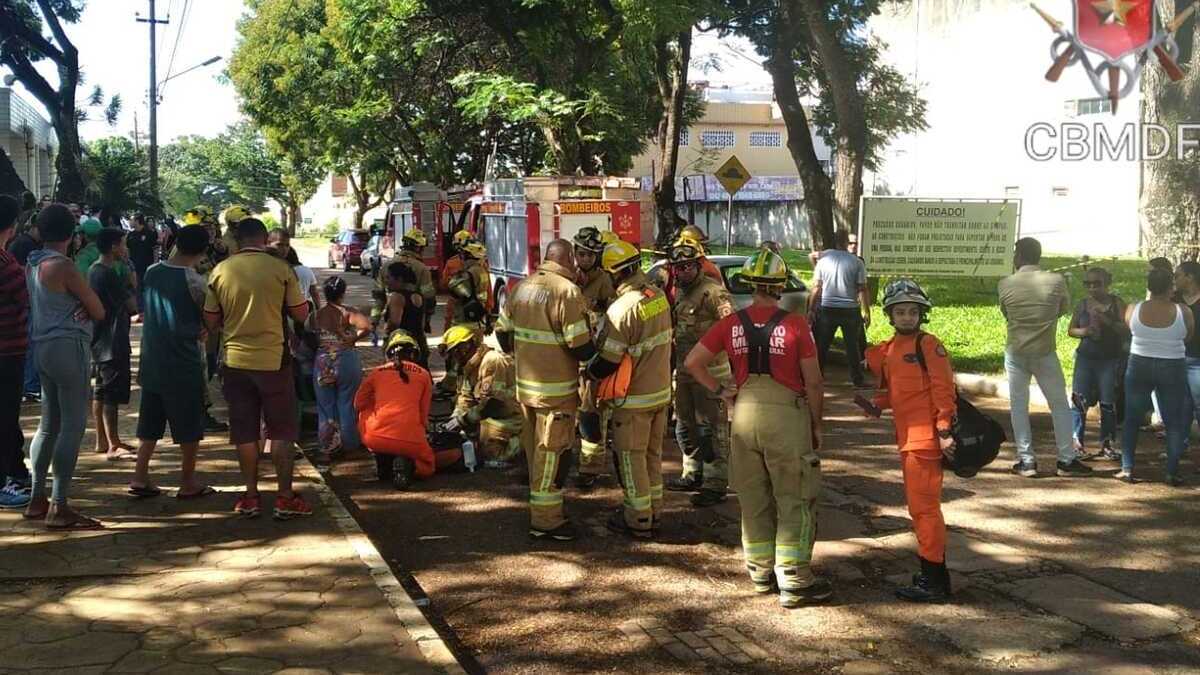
[(202, 492), (121, 456), (144, 492), (77, 522)]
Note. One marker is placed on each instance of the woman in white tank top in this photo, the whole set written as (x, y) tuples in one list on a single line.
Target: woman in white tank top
[(1160, 330)]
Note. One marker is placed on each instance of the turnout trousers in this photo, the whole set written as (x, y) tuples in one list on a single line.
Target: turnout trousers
[(593, 455), (778, 480), (702, 419), (638, 441), (923, 492), (547, 435)]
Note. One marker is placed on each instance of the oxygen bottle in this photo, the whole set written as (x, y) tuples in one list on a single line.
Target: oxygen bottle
[(468, 451)]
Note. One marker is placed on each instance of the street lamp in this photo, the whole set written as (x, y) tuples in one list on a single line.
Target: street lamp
[(154, 100)]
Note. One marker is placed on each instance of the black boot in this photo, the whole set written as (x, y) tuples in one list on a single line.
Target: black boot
[(402, 473), (383, 466), (931, 585)]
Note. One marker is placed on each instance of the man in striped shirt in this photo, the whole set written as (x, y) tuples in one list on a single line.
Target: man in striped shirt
[(14, 337)]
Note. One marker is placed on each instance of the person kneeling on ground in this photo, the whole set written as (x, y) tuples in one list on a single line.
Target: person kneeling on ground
[(917, 384), (393, 410), (485, 407)]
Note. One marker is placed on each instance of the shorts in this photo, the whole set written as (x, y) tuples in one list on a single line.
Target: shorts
[(112, 381), (261, 396), (183, 409)]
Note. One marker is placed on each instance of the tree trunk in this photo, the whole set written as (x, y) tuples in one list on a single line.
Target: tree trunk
[(818, 196), (1169, 208), (671, 72), (851, 140)]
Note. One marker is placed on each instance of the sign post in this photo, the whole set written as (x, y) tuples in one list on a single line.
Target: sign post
[(732, 176)]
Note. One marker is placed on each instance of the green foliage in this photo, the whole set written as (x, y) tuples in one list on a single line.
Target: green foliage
[(118, 177), (271, 222), (236, 167), (331, 228)]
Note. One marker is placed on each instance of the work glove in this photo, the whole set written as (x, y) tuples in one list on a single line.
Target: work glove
[(453, 425)]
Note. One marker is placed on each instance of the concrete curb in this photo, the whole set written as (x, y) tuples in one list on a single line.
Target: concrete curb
[(432, 647)]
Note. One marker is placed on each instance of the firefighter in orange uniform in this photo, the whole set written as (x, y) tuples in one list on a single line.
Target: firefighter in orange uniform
[(918, 387)]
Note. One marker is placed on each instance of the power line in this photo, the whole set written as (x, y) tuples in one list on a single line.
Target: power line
[(184, 14)]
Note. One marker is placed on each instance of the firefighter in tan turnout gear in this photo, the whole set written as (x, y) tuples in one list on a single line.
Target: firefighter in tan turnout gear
[(551, 338), (701, 418), (776, 431), (634, 370), (598, 292), (485, 407)]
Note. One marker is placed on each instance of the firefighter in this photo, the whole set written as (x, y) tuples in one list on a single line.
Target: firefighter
[(485, 407), (918, 387), (634, 369), (598, 292), (776, 431), (471, 295), (701, 419), (417, 282), (547, 314), (453, 266), (232, 215)]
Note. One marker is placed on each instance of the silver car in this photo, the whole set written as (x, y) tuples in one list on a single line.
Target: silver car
[(795, 294)]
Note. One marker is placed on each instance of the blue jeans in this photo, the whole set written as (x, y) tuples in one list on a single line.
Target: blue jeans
[(1049, 374), (65, 366), (336, 403), (1193, 379), (1168, 378), (1095, 381)]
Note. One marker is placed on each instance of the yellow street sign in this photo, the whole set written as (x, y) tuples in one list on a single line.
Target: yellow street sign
[(732, 175)]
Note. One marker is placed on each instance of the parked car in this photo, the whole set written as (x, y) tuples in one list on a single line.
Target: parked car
[(346, 249), (372, 256), (795, 294)]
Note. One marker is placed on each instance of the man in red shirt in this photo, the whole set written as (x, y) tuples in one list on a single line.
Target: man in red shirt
[(776, 431)]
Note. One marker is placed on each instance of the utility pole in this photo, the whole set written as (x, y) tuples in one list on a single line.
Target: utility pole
[(153, 99)]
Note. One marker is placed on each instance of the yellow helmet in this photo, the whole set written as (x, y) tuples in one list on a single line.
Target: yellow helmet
[(414, 238), (693, 232), (619, 255), (193, 217), (685, 251), (234, 214), (475, 250), (459, 334), (764, 268), (609, 237), (400, 339), (462, 238)]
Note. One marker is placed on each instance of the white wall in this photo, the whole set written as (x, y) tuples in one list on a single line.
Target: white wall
[(981, 65)]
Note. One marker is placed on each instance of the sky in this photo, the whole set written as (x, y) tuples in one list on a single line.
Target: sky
[(114, 53)]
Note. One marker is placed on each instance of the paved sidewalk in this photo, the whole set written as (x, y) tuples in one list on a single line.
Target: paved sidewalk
[(189, 587)]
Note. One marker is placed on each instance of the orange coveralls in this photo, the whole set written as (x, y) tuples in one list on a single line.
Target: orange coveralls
[(392, 414), (922, 404)]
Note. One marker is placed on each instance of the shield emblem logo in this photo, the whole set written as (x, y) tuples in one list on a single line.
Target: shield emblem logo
[(1114, 28)]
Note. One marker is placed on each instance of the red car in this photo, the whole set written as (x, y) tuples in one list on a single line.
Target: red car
[(346, 249)]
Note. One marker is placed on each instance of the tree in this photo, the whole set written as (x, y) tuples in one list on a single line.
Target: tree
[(1169, 207), (817, 48), (22, 45), (117, 177)]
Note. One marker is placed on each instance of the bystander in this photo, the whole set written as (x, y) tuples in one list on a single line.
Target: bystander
[(14, 338), (111, 351), (840, 292)]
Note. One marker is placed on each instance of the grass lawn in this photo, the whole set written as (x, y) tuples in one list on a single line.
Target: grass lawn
[(966, 314)]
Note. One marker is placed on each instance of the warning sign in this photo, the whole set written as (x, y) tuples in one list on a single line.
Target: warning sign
[(732, 175), (930, 237)]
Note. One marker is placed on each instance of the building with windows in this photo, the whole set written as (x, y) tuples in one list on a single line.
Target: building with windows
[(332, 207), (997, 128), (29, 141), (748, 124)]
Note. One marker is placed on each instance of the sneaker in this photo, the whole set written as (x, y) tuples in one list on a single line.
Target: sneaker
[(290, 507), (14, 495), (564, 532), (683, 484), (1025, 469), (1125, 476), (248, 506), (32, 397), (705, 498), (213, 424), (1073, 469), (616, 523), (820, 590)]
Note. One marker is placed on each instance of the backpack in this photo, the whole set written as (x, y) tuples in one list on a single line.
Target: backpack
[(977, 437)]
